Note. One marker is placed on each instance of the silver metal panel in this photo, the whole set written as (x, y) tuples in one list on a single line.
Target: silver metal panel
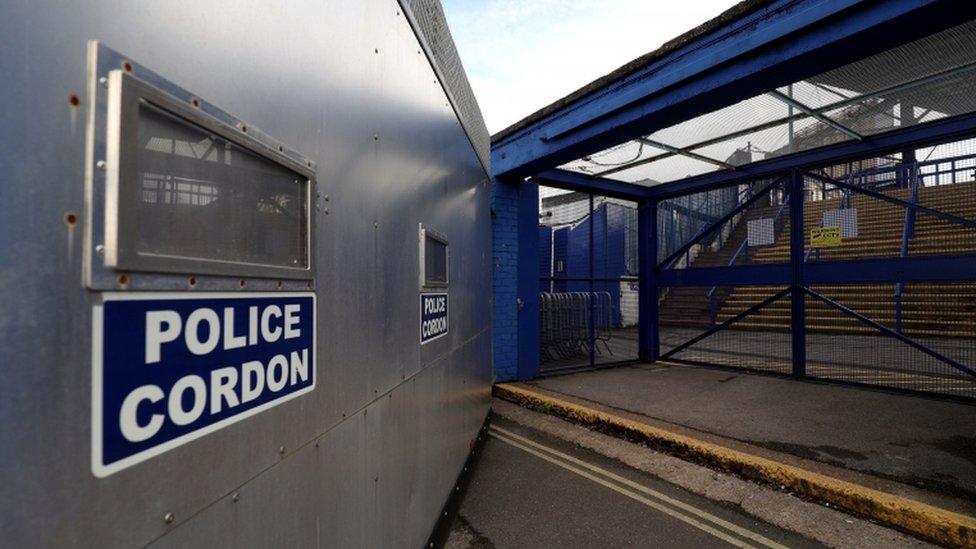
[(348, 85)]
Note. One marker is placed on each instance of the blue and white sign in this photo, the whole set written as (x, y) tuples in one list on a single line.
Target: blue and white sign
[(168, 368), (433, 316)]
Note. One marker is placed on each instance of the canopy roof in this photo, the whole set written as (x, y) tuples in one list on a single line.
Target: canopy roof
[(766, 79)]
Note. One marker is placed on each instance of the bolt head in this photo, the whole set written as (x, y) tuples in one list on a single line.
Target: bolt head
[(100, 164), (169, 518)]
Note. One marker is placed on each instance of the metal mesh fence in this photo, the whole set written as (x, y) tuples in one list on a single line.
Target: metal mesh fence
[(923, 206), (923, 341), (921, 81), (749, 325), (758, 233), (430, 25), (588, 277)]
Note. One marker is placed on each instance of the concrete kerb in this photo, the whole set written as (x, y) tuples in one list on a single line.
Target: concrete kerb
[(920, 519)]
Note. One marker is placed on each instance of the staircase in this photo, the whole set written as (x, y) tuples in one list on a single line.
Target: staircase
[(929, 310), (690, 306)]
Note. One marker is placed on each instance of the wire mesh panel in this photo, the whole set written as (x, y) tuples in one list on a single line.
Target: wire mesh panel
[(565, 257), (733, 326), (915, 208), (917, 337), (588, 277), (737, 225), (615, 286)]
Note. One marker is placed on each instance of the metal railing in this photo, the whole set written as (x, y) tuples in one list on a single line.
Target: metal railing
[(565, 320)]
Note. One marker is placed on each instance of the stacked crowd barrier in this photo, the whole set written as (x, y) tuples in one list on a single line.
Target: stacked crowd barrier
[(564, 319)]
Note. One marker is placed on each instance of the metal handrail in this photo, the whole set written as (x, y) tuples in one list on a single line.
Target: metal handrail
[(712, 305), (907, 233)]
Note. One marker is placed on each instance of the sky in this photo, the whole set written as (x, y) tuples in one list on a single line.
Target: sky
[(521, 55)]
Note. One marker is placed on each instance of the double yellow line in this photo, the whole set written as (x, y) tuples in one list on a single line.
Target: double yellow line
[(697, 518)]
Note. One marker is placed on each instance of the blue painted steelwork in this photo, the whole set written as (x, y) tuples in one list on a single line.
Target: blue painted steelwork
[(727, 323), (743, 252), (669, 260), (922, 135), (798, 330), (777, 45), (891, 333), (648, 333), (897, 201), (784, 42), (579, 182), (528, 281)]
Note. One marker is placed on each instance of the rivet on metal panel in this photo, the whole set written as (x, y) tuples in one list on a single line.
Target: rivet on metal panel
[(103, 81), (192, 281), (100, 249), (70, 218), (376, 137), (281, 450), (169, 518), (235, 497), (195, 102), (376, 224), (100, 164), (242, 127), (127, 66), (326, 198), (281, 149), (73, 99), (123, 280), (326, 211), (242, 283)]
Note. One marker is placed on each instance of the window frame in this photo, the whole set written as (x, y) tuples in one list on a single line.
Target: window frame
[(424, 233), (127, 94)]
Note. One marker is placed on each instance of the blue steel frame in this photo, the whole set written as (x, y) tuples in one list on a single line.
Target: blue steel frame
[(784, 41), (798, 274), (780, 43)]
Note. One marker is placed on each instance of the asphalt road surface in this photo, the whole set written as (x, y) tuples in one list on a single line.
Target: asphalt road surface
[(533, 490)]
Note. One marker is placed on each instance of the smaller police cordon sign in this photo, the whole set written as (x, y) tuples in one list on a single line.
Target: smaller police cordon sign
[(168, 368), (434, 321)]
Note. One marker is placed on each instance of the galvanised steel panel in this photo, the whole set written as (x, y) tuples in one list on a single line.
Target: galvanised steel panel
[(345, 83)]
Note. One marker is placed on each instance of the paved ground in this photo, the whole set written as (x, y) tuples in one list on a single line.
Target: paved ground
[(917, 441), (619, 344), (531, 489)]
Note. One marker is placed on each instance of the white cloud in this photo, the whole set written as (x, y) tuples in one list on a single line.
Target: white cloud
[(520, 55)]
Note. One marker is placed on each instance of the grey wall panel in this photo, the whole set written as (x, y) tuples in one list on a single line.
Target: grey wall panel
[(346, 84)]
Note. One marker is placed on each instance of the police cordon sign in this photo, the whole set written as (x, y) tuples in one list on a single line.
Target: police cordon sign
[(168, 368), (434, 321)]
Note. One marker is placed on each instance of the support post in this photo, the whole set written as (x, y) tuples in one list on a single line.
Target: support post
[(528, 280), (592, 300), (648, 331), (798, 296)]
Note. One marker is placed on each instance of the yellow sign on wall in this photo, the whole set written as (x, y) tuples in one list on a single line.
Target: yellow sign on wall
[(825, 237)]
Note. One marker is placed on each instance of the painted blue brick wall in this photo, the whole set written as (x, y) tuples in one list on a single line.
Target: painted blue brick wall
[(504, 206)]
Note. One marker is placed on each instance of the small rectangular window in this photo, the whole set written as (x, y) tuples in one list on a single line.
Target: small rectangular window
[(190, 194), (433, 259)]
